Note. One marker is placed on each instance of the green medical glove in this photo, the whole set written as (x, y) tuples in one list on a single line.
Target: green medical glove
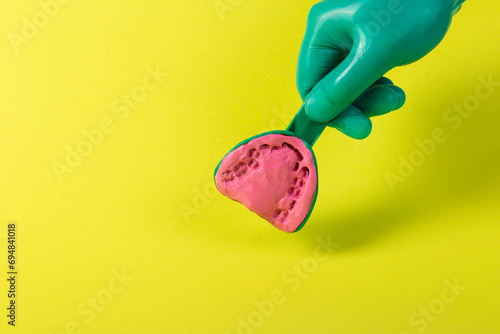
[(350, 44)]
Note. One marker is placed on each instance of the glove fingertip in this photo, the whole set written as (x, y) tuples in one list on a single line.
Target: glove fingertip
[(401, 97)]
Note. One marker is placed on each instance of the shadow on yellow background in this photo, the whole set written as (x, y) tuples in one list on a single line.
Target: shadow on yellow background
[(465, 170)]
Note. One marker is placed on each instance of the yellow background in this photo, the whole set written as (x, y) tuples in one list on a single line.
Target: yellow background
[(143, 201)]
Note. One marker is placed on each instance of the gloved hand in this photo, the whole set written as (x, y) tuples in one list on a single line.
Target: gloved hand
[(350, 44)]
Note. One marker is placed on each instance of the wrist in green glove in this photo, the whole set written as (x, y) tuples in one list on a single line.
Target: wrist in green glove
[(350, 44)]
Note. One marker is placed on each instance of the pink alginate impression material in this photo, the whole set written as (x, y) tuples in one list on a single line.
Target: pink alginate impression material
[(274, 176)]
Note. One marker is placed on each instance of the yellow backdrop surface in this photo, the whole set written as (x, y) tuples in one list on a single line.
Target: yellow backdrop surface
[(113, 116)]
